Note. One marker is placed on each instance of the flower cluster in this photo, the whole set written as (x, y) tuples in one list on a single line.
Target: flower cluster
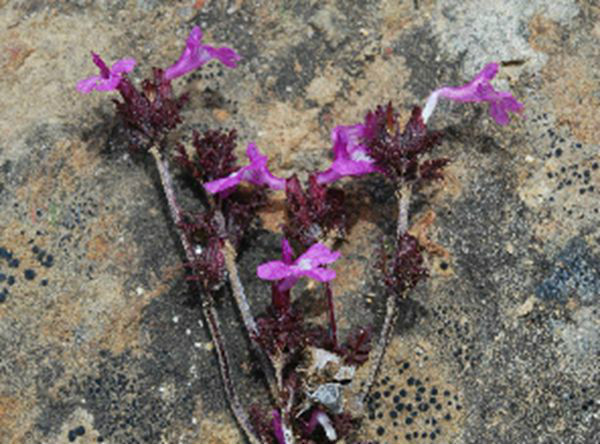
[(150, 114)]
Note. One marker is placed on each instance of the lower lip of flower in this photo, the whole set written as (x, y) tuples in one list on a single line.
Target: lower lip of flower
[(304, 264), (361, 156)]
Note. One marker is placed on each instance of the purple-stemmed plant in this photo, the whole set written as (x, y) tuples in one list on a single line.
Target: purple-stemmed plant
[(307, 370)]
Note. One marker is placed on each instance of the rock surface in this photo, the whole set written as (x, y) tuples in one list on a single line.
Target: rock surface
[(100, 339)]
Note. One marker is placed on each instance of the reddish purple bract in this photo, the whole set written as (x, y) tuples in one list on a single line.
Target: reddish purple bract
[(403, 268), (149, 115), (314, 213), (398, 153)]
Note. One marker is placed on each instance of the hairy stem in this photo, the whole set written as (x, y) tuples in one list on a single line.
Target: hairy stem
[(403, 195), (331, 309), (240, 414), (208, 309), (238, 290), (378, 352), (244, 306)]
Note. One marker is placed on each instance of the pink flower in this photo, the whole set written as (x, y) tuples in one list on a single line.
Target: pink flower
[(195, 55), (109, 78), (478, 90), (350, 157), (257, 173), (307, 264)]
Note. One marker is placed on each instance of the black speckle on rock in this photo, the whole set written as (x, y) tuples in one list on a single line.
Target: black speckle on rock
[(49, 261), (29, 274), (14, 263), (5, 254)]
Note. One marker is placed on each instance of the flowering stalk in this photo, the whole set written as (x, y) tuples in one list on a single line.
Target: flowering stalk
[(208, 308)]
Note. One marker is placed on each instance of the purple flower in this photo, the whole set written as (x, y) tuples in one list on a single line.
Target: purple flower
[(195, 55), (350, 157), (109, 78), (478, 90), (307, 264), (257, 173)]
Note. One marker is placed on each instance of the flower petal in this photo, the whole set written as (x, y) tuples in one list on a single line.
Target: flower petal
[(256, 173), (319, 254), (274, 270), (86, 86), (124, 65), (226, 56), (224, 183), (195, 54), (109, 79), (321, 274)]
